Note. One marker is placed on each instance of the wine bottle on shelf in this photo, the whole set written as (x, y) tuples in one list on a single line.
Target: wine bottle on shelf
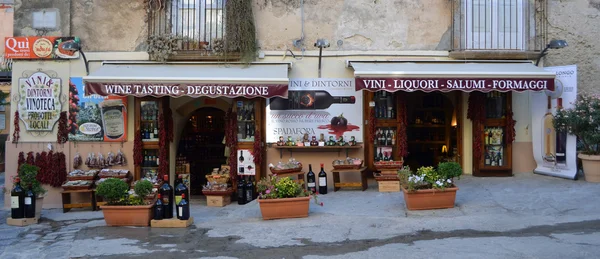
[(241, 192), (166, 192), (309, 100), (183, 209), (393, 137), (249, 189), (156, 131), (159, 211), (388, 138), (389, 106), (311, 184), (561, 141), (549, 134), (29, 202), (386, 157), (251, 112), (487, 159), (322, 181), (151, 130), (380, 155)]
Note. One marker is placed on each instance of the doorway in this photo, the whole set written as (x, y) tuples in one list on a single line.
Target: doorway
[(432, 130), (201, 145)]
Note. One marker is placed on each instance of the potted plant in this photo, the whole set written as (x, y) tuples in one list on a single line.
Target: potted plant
[(583, 121), (28, 175), (430, 188), (122, 207), (280, 198)]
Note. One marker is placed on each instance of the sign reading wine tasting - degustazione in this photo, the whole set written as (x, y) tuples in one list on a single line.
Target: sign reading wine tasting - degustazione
[(316, 106), (39, 104), (193, 90)]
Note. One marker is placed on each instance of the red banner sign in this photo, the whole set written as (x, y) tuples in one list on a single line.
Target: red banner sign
[(454, 84), (41, 47), (195, 90)]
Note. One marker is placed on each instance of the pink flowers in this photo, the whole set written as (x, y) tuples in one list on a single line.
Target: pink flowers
[(268, 191), (321, 204)]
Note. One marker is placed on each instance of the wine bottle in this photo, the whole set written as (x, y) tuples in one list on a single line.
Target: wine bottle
[(241, 159), (388, 138), (561, 141), (322, 181), (386, 157), (183, 209), (166, 192), (311, 184), (180, 188), (241, 192), (151, 130), (159, 212), (393, 137), (487, 158), (29, 203), (249, 190), (156, 131), (17, 200), (309, 100), (549, 134), (380, 155)]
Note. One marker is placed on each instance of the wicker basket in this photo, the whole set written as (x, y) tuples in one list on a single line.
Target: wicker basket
[(75, 178), (341, 167), (219, 180), (285, 171), (76, 188)]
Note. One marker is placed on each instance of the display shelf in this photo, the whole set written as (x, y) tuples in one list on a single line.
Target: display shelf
[(427, 142), (427, 126), (337, 149)]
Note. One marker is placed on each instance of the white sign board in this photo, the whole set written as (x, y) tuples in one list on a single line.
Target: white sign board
[(39, 106)]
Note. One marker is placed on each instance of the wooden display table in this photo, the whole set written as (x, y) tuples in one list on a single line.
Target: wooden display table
[(66, 200), (363, 176)]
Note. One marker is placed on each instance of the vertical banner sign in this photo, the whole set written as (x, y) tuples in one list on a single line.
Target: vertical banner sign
[(97, 118), (554, 152), (39, 105), (319, 106), (245, 162)]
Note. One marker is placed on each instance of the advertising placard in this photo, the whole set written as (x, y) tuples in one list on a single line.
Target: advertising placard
[(94, 117), (245, 162), (41, 47), (316, 106), (39, 104), (554, 152)]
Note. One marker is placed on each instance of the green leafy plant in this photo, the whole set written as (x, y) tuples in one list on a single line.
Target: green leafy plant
[(583, 121), (113, 190), (429, 177), (274, 187), (27, 174), (450, 170), (143, 188), (161, 47)]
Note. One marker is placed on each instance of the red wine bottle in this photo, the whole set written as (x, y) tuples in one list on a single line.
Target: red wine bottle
[(166, 192), (183, 209), (181, 188), (311, 184), (159, 212), (17, 200), (322, 181), (308, 100), (249, 189), (29, 202), (241, 192)]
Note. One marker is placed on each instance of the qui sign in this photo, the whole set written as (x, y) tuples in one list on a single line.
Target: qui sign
[(39, 105)]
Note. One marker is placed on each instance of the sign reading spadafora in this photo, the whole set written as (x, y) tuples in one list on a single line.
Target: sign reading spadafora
[(316, 106), (39, 105), (450, 84), (193, 90)]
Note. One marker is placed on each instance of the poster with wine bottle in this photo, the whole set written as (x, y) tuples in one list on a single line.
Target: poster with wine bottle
[(554, 152), (245, 162), (94, 117), (315, 106)]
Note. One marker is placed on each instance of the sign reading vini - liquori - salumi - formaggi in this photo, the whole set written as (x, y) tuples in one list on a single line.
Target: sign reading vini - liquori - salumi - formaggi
[(450, 84), (39, 104), (194, 90)]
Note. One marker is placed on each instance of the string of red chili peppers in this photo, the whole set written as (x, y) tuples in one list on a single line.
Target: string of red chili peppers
[(21, 159), (17, 130), (137, 149), (476, 113), (63, 130), (163, 165), (402, 136), (258, 148)]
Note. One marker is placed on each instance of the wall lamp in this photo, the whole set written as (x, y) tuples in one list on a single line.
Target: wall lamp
[(76, 46), (321, 43), (554, 44)]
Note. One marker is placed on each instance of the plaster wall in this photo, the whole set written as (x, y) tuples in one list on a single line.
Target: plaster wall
[(6, 23)]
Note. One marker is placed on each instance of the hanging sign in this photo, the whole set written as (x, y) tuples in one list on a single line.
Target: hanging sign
[(450, 84), (39, 106), (245, 162), (41, 47), (555, 153)]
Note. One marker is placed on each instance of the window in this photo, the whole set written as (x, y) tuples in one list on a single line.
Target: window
[(198, 22), (494, 24)]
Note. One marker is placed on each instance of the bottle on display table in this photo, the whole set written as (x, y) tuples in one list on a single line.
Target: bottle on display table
[(181, 188), (322, 181), (17, 200), (386, 157), (29, 202), (166, 192), (241, 192), (311, 184), (183, 208), (249, 189), (159, 211), (314, 142)]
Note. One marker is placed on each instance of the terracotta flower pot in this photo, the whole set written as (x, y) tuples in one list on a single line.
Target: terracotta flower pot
[(127, 215), (430, 199), (591, 167), (284, 208)]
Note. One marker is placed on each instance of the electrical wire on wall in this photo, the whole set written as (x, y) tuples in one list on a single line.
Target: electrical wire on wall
[(299, 43)]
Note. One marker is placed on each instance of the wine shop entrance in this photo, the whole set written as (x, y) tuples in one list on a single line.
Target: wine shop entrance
[(201, 145)]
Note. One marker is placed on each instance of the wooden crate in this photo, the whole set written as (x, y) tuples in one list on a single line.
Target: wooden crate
[(21, 222), (171, 223), (389, 186), (217, 201)]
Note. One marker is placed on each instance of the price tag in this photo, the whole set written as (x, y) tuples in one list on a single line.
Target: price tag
[(321, 144), (371, 104)]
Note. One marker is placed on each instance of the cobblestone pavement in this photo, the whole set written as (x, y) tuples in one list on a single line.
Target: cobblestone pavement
[(526, 216)]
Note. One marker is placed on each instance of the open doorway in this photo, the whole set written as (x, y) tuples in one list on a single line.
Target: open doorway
[(201, 145)]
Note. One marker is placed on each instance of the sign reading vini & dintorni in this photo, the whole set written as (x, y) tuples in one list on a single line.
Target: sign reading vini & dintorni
[(39, 105)]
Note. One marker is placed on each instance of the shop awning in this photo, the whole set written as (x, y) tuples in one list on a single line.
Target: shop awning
[(450, 76), (176, 80)]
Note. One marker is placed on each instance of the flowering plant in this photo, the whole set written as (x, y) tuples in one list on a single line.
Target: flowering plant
[(583, 121), (274, 187), (429, 177)]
